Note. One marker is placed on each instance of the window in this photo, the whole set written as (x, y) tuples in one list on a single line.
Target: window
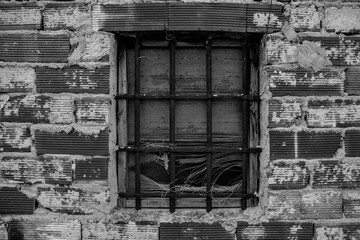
[(188, 120)]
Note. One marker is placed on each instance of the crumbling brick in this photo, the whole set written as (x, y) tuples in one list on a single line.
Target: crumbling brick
[(66, 16), (92, 111), (343, 19), (337, 231), (334, 113), (284, 113), (280, 50), (306, 82), (16, 79), (15, 139), (73, 200), (34, 47), (38, 109), (20, 17), (305, 17), (73, 79), (285, 175), (52, 170)]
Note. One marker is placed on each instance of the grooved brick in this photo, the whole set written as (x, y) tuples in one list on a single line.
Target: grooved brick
[(341, 51), (352, 141), (38, 109), (345, 231), (15, 139), (75, 143), (352, 83), (73, 79), (318, 144), (12, 201), (306, 82), (322, 204), (351, 208), (20, 17), (284, 205), (284, 113), (92, 111), (343, 19), (34, 47), (43, 230), (131, 230), (66, 16), (305, 17), (52, 170), (282, 145), (16, 79), (280, 50), (92, 169), (334, 113), (288, 175), (72, 200)]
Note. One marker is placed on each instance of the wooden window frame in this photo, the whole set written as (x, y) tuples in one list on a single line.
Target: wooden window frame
[(249, 98)]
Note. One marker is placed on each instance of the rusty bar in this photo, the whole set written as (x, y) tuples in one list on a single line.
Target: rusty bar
[(190, 149), (208, 125), (186, 195), (214, 96), (246, 121), (137, 124), (172, 122)]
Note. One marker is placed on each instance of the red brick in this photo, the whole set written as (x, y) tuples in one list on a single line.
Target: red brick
[(282, 145), (341, 51), (346, 231), (66, 16), (16, 79), (73, 79), (352, 83), (305, 82), (334, 113), (280, 50), (305, 17), (52, 170), (41, 229), (317, 144), (168, 231), (131, 230), (12, 201), (327, 174), (38, 109), (284, 113), (20, 17), (288, 175), (73, 200), (15, 139), (322, 204), (92, 111), (284, 205), (34, 47), (91, 169), (75, 143), (343, 19)]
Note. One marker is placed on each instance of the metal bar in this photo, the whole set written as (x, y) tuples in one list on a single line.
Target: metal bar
[(186, 195), (189, 149), (246, 123), (213, 96), (208, 125), (137, 124), (172, 122)]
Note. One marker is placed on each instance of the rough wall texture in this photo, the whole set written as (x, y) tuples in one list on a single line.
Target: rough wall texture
[(55, 99)]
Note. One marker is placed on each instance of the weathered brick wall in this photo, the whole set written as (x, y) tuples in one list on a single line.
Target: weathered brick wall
[(56, 171)]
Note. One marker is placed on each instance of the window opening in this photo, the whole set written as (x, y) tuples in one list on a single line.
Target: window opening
[(188, 125)]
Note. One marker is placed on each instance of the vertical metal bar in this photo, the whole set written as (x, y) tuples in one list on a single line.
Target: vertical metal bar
[(137, 124), (246, 121), (208, 125), (172, 122)]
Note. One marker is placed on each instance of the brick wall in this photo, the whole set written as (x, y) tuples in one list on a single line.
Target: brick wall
[(57, 177)]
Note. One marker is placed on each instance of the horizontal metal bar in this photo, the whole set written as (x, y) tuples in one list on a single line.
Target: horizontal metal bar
[(189, 149), (186, 195), (188, 96)]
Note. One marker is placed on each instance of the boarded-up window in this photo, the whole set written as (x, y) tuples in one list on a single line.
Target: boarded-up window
[(187, 138)]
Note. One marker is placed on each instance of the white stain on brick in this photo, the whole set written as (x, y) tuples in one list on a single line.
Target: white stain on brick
[(266, 20), (253, 233), (278, 50), (20, 16), (72, 17), (326, 233), (17, 78), (305, 17), (343, 19)]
